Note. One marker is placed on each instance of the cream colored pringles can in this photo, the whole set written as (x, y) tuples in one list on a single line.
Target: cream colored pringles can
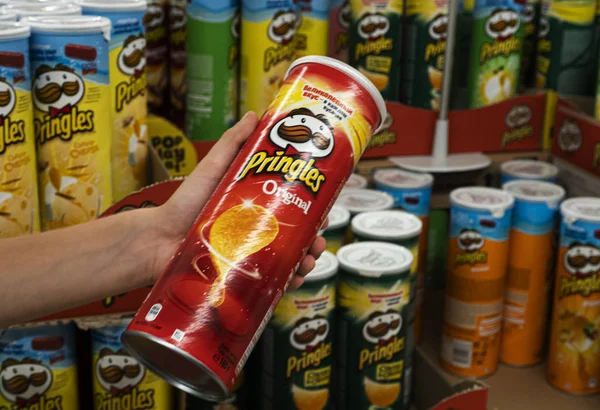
[(129, 151), (71, 99), (38, 368), (22, 10), (19, 207), (120, 381), (268, 50)]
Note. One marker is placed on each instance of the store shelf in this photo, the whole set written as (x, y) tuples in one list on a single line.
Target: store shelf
[(509, 388)]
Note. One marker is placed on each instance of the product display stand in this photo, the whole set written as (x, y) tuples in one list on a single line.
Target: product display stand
[(440, 162)]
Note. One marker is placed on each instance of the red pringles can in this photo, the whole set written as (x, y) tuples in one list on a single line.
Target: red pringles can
[(206, 312)]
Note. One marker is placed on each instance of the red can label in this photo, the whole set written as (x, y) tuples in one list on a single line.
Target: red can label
[(220, 289)]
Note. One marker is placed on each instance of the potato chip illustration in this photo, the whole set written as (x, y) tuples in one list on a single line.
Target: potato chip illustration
[(16, 215), (236, 234)]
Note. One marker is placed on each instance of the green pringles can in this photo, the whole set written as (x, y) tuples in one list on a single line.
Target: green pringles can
[(375, 43), (426, 31), (213, 61), (530, 17), (297, 345), (495, 60), (566, 54), (372, 323)]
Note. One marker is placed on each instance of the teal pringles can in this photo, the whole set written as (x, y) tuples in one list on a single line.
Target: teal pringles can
[(375, 43), (565, 61), (495, 60), (213, 60)]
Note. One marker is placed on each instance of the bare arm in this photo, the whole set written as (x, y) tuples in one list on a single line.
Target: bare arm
[(46, 273)]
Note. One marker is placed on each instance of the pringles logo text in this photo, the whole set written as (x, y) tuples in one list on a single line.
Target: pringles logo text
[(296, 364), (64, 126), (136, 400), (127, 91), (11, 133), (379, 353)]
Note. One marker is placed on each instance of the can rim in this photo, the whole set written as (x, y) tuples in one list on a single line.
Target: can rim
[(362, 181), (361, 218), (388, 202), (549, 170), (32, 9), (400, 268), (13, 31), (166, 375), (507, 200), (352, 72), (69, 24), (567, 208), (344, 218), (7, 15), (321, 271), (426, 179), (117, 5), (556, 196)]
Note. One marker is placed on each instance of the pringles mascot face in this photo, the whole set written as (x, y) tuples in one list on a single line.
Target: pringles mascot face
[(117, 372), (304, 132), (24, 382), (382, 327), (57, 90), (309, 334)]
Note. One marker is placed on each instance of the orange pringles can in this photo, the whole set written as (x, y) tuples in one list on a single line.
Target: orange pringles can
[(203, 317), (529, 272), (574, 358), (480, 220)]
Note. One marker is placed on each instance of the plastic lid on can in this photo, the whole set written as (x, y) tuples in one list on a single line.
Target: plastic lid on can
[(339, 217), (13, 31), (43, 9), (387, 225), (351, 72), (364, 200), (326, 267), (356, 182), (398, 178), (529, 169), (69, 24), (584, 208), (535, 191), (110, 5), (7, 15), (488, 199), (375, 259)]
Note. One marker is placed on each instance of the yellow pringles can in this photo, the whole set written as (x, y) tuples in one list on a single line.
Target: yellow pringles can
[(268, 50), (38, 368), (574, 358), (19, 207), (313, 32), (71, 99), (129, 152), (120, 381)]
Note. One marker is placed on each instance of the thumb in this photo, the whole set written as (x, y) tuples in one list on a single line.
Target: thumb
[(192, 195)]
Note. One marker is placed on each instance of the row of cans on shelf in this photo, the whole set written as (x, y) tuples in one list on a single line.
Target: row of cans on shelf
[(73, 107)]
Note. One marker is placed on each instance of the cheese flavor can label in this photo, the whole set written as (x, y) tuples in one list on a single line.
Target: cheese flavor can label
[(19, 206), (71, 99), (39, 368), (574, 356)]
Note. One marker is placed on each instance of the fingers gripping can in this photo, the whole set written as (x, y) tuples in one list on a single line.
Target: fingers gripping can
[(71, 98), (298, 349), (268, 50), (120, 381), (376, 43), (412, 193), (495, 60), (339, 23), (212, 100), (311, 38), (477, 263), (18, 172), (373, 320), (529, 272), (157, 63), (39, 368), (129, 150), (205, 314), (574, 357)]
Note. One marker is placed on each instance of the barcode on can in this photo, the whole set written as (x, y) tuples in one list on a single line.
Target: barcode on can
[(178, 335), (458, 352)]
